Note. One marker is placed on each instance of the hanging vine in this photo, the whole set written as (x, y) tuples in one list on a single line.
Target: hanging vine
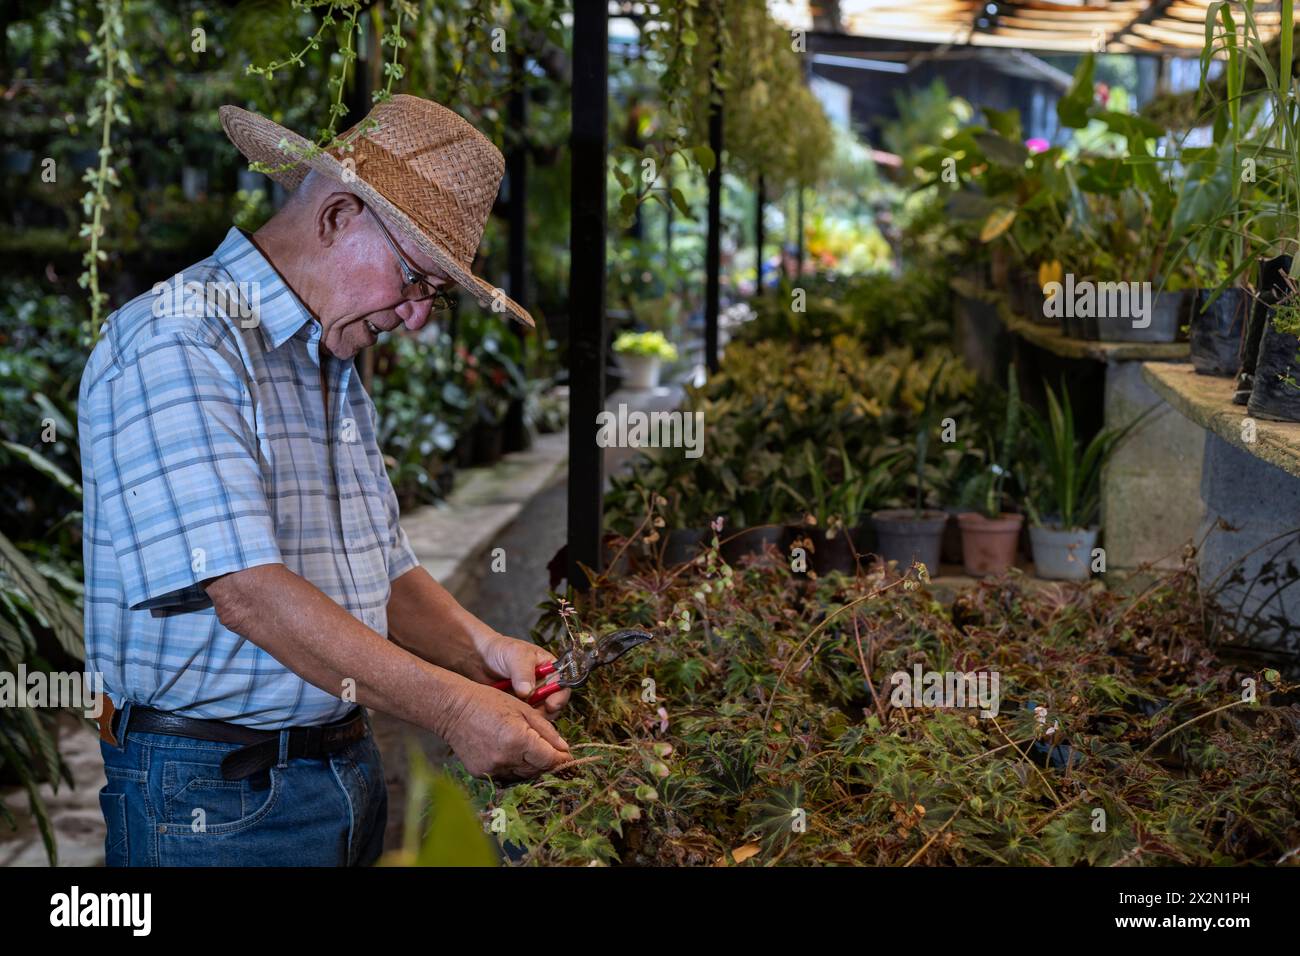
[(731, 49), (672, 41), (105, 110), (327, 137)]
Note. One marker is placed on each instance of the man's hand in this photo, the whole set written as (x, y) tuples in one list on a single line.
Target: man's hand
[(495, 734), (428, 622), (507, 657)]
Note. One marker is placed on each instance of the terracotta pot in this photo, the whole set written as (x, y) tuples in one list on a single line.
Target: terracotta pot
[(988, 545)]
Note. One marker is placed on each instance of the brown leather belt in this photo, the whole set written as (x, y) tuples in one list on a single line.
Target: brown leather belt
[(261, 748)]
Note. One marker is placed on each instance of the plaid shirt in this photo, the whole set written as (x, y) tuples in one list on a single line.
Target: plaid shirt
[(206, 449)]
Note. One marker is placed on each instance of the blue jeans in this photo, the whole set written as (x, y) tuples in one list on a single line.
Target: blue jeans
[(166, 804)]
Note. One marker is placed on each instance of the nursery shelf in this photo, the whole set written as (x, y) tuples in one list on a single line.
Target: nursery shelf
[(1207, 401), (1050, 338)]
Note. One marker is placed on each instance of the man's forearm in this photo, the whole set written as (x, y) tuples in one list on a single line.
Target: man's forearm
[(425, 619), (302, 628)]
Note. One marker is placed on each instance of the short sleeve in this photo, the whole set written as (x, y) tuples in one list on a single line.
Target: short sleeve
[(179, 475)]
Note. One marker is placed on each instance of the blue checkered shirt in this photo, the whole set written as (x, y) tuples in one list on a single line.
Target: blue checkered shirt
[(206, 449)]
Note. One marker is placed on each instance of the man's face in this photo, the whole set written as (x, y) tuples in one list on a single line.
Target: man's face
[(366, 289)]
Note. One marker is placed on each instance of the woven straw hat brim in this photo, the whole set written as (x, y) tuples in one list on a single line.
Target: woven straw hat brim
[(258, 138)]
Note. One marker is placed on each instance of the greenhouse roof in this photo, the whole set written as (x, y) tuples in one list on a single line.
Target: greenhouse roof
[(1175, 27)]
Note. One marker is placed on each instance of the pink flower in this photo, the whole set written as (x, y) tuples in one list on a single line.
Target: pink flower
[(716, 524), (663, 720), (1037, 144)]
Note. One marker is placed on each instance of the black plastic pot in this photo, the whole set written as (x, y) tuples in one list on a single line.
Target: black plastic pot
[(906, 537), (465, 450), (827, 554), (683, 544), (1083, 327), (518, 436), (1217, 330), (1036, 304), (488, 443), (1273, 397), (950, 545), (1022, 289), (1164, 325), (1272, 288), (747, 541)]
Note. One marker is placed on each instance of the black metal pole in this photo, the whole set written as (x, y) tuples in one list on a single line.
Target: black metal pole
[(590, 144), (758, 235), (517, 435), (668, 230), (517, 170), (798, 217), (713, 251)]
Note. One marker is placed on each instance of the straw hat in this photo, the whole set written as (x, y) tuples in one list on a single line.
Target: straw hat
[(425, 169)]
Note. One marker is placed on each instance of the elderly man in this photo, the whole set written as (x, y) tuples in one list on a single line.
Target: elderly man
[(245, 567)]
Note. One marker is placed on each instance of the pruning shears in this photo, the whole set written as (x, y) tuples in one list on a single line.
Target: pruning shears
[(574, 666)]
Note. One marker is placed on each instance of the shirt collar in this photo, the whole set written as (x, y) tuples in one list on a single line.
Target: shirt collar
[(280, 313)]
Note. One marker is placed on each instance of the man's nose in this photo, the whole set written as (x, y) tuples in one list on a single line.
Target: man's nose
[(414, 315)]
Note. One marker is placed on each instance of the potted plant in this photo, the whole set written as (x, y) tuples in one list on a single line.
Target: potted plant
[(641, 355), (1275, 392), (760, 509), (907, 535), (989, 536), (835, 506), (1065, 495)]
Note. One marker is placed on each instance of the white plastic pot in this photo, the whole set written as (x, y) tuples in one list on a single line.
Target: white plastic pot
[(1063, 555), (639, 371)]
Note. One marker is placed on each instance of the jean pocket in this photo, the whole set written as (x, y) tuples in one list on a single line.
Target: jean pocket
[(113, 806), (198, 800)]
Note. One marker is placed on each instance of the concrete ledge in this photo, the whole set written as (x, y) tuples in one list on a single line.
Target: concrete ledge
[(1207, 401), (1049, 337)]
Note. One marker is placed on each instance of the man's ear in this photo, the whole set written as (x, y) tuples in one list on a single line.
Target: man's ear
[(335, 213)]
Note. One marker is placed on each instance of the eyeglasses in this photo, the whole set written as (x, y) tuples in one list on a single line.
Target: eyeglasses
[(423, 285)]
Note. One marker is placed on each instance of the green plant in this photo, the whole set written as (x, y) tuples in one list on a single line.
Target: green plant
[(922, 445), (1067, 486), (422, 405), (41, 630), (108, 50), (987, 489), (647, 344), (838, 499), (772, 702)]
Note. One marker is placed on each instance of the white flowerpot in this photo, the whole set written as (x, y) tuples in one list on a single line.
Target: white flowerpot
[(639, 371), (1061, 555)]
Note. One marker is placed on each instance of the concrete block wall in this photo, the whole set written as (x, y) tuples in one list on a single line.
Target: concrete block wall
[(1151, 491), (1251, 551)]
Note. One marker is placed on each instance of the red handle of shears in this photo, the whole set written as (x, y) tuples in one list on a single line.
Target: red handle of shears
[(541, 693)]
